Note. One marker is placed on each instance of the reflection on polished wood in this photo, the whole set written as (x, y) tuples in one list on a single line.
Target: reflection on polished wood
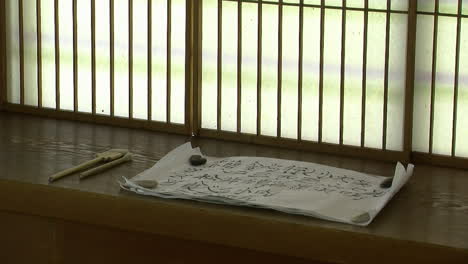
[(75, 221)]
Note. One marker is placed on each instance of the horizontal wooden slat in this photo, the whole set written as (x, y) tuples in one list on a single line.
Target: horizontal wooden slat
[(439, 160), (99, 119), (321, 5), (442, 14), (350, 151)]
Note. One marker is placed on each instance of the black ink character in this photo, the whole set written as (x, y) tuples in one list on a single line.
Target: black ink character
[(294, 170), (362, 183), (265, 192), (262, 183), (216, 188), (345, 178), (243, 191), (193, 169), (232, 164), (169, 182), (300, 187), (260, 174), (206, 176), (239, 172), (192, 187), (254, 166), (322, 175), (358, 189), (324, 189)]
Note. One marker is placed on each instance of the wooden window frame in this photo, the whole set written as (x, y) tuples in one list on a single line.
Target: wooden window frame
[(193, 86)]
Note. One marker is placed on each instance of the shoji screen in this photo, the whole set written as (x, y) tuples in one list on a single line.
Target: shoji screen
[(381, 79), (325, 74), (441, 83), (100, 60)]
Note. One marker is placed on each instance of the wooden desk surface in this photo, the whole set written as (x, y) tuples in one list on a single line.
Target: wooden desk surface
[(427, 222)]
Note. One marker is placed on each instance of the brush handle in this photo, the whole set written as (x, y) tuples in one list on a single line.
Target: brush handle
[(106, 166), (82, 166)]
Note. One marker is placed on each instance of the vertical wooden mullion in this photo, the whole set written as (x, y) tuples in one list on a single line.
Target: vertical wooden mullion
[(169, 61), (220, 64), (300, 73), (322, 42), (342, 72), (259, 67), (364, 74), (410, 73), (93, 56), (75, 56), (239, 65), (386, 77), (39, 53), (57, 54), (21, 40), (457, 74), (197, 66), (189, 60), (112, 56), (3, 57), (434, 73), (130, 59), (280, 66), (150, 59)]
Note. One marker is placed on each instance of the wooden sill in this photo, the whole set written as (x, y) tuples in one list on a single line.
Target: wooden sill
[(427, 222)]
